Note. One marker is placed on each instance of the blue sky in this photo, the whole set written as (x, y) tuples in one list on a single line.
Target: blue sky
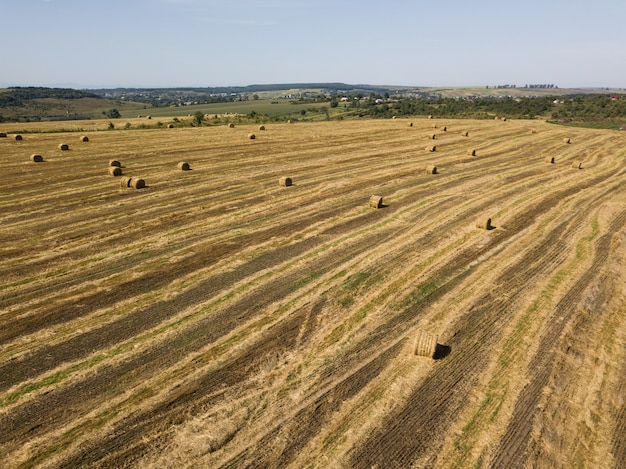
[(178, 43)]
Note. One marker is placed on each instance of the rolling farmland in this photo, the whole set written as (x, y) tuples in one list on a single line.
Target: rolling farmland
[(217, 318)]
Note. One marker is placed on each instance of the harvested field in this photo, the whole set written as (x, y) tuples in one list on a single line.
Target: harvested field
[(215, 319)]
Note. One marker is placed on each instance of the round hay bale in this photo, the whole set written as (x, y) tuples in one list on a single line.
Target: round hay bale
[(3, 135), (84, 138), (125, 182), (376, 201), (433, 137), (18, 137), (36, 158), (148, 117), (251, 136), (430, 117), (137, 183), (549, 159), (577, 165), (115, 163), (115, 171), (285, 181), (290, 121), (431, 169), (183, 166), (566, 140), (170, 126), (504, 119), (261, 127), (484, 224), (471, 152), (431, 148), (445, 129), (425, 344), (434, 126), (64, 146), (410, 124), (231, 125), (465, 133), (496, 118)]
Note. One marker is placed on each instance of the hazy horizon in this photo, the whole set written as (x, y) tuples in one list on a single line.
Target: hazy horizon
[(213, 43)]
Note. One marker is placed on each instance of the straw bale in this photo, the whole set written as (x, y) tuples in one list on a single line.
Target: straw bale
[(425, 344), (376, 201), (484, 224), (285, 181)]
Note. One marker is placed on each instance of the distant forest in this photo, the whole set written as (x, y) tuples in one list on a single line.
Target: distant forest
[(19, 96), (563, 108)]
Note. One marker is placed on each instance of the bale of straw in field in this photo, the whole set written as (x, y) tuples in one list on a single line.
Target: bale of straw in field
[(566, 140), (549, 159), (125, 182), (504, 119), (376, 201), (84, 138), (183, 166), (3, 135), (484, 224), (261, 127), (115, 171), (433, 137), (64, 146), (471, 152), (231, 125), (577, 165), (148, 117), (36, 158), (410, 124), (496, 118), (251, 136), (430, 117), (444, 128), (431, 169), (431, 148), (290, 121), (115, 163), (285, 181), (465, 133), (18, 137), (170, 126), (425, 344), (434, 126), (137, 183)]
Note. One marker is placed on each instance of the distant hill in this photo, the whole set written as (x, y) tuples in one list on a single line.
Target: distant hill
[(40, 103)]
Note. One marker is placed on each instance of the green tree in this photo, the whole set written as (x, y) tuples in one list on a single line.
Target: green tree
[(198, 118), (113, 114)]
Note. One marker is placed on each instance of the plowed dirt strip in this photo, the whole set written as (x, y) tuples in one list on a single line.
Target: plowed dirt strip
[(513, 450)]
